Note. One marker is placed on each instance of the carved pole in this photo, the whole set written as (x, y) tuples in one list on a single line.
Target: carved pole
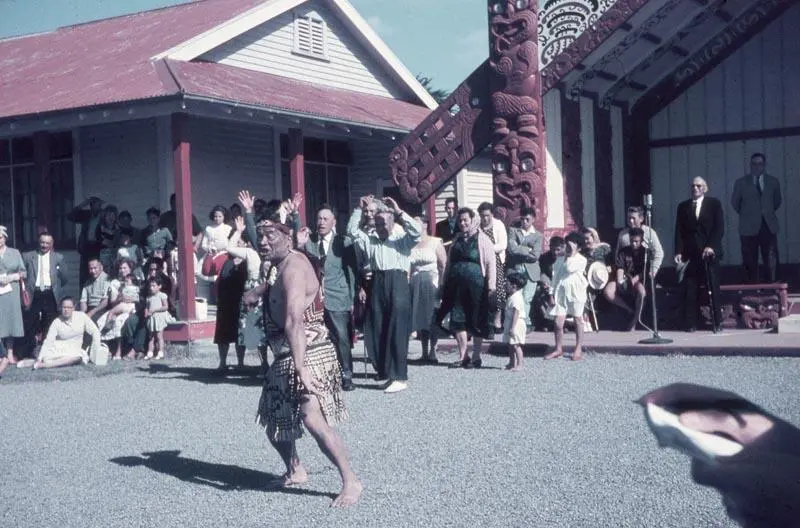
[(518, 147)]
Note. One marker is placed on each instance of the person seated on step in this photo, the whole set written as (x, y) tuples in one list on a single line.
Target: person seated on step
[(541, 307), (63, 345), (631, 278)]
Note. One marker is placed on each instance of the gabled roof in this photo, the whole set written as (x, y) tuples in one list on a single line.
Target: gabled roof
[(117, 59)]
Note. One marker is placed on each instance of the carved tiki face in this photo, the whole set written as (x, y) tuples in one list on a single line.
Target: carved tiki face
[(517, 163), (512, 22)]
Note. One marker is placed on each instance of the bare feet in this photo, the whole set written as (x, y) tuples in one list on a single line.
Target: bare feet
[(12, 359), (554, 354), (516, 369), (577, 354), (295, 478), (130, 355), (349, 495)]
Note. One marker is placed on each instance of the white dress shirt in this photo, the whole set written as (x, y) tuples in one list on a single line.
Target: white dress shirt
[(43, 276), (698, 204)]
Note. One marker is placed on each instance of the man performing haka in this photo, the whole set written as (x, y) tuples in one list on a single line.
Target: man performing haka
[(303, 384)]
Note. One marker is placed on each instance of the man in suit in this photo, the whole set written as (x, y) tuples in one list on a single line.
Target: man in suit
[(89, 219), (45, 280), (522, 255), (335, 257), (446, 229), (756, 198), (699, 226)]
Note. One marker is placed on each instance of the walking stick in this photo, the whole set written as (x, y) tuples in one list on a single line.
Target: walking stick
[(707, 262)]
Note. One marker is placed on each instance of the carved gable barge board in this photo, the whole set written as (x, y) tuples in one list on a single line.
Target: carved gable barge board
[(714, 52)]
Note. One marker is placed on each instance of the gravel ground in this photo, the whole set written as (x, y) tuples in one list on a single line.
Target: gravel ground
[(558, 445)]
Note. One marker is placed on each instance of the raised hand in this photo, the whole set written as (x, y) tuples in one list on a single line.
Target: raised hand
[(392, 205), (239, 223), (297, 199), (303, 236), (364, 201), (247, 201)]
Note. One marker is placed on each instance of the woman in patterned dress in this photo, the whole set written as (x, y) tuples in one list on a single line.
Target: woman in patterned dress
[(428, 260), (469, 284), (496, 231)]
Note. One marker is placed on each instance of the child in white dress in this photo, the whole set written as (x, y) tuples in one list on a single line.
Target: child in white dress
[(157, 316), (514, 327), (569, 294)]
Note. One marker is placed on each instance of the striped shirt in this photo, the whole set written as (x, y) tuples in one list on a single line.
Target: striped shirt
[(95, 291), (390, 254)]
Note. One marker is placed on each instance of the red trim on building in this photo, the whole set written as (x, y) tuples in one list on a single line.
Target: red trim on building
[(430, 206), (603, 172), (181, 151), (571, 161), (188, 331), (41, 162), (297, 175)]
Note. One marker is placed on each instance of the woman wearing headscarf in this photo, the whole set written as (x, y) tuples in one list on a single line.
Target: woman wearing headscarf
[(12, 271), (469, 282)]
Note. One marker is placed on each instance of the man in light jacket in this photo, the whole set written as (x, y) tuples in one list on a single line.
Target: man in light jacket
[(524, 250)]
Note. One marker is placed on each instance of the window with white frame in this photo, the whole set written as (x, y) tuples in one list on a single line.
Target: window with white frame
[(20, 190), (310, 37), (327, 175)]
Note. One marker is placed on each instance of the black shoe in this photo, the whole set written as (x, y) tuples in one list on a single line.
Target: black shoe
[(476, 363), (466, 363), (347, 385), (691, 329)]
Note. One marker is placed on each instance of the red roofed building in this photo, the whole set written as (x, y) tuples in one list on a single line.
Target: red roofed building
[(201, 99)]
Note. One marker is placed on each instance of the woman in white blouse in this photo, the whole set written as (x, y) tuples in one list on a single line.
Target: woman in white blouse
[(215, 236), (63, 345)]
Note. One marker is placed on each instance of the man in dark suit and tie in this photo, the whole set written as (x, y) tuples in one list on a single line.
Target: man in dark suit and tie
[(699, 226), (446, 229), (45, 281), (756, 197), (336, 259)]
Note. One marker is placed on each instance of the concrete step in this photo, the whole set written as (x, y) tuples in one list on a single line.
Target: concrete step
[(789, 324)]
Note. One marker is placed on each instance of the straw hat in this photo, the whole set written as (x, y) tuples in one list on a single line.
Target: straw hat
[(597, 275)]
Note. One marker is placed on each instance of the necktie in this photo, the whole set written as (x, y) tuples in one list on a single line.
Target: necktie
[(696, 206), (758, 184), (322, 252)]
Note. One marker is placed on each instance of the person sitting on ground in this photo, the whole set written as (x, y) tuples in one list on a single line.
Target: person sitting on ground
[(94, 295), (514, 328), (63, 345), (631, 276)]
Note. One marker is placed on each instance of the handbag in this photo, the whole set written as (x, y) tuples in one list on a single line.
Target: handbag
[(25, 295)]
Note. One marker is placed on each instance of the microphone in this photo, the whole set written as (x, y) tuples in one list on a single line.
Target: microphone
[(647, 200)]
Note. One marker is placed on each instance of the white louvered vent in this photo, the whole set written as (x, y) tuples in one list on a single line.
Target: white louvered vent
[(310, 36)]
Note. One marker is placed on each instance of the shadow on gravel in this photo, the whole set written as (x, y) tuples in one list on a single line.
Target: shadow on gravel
[(246, 377), (223, 477)]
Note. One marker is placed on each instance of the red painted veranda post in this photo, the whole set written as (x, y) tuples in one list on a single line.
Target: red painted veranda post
[(183, 215), (501, 103)]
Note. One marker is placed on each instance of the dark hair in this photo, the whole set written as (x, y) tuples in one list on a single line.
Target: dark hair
[(758, 155), (518, 280), (556, 241), (234, 206), (95, 259), (525, 211), (485, 206), (128, 231), (271, 212), (259, 203), (156, 280), (225, 215), (576, 239), (110, 209), (125, 213), (636, 231), (328, 207), (44, 233), (67, 298), (153, 211), (465, 210), (158, 261), (636, 209), (131, 264), (451, 200)]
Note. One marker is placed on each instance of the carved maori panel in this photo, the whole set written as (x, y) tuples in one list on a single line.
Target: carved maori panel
[(518, 147), (597, 31), (712, 53), (561, 21), (445, 141)]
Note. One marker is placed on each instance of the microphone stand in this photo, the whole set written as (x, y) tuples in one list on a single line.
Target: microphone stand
[(656, 338)]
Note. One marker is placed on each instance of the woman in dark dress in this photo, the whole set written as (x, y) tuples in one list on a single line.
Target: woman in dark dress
[(469, 283), (230, 290)]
